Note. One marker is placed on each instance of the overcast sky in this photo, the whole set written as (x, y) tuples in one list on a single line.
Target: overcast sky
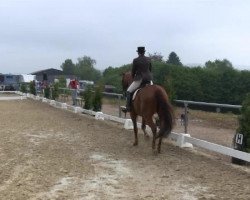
[(40, 34)]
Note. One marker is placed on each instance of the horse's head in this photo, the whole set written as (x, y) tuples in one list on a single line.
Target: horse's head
[(126, 80)]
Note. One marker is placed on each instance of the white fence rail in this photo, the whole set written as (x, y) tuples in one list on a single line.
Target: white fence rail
[(6, 98), (182, 140), (186, 139), (217, 105)]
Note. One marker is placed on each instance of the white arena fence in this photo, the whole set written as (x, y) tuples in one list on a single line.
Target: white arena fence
[(17, 97), (182, 140)]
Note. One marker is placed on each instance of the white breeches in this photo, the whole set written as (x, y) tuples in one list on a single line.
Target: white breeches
[(134, 85)]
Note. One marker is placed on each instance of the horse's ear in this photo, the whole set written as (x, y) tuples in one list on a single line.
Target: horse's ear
[(122, 74)]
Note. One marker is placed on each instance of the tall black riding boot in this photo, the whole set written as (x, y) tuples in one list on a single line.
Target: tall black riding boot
[(128, 101)]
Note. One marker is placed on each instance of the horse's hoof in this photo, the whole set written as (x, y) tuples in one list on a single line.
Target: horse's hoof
[(155, 152), (146, 136), (135, 143)]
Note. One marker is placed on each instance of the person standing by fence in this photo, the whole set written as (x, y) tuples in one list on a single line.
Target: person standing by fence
[(73, 85)]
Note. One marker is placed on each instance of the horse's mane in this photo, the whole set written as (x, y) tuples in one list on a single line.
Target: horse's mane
[(126, 80)]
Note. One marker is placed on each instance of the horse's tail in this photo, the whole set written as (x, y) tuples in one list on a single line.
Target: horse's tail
[(165, 113)]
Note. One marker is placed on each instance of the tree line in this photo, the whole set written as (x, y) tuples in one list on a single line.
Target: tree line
[(218, 81), (84, 68)]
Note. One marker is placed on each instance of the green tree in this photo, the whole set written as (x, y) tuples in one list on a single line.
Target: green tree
[(113, 76), (85, 69), (225, 81), (156, 57), (174, 59), (209, 86), (68, 67), (243, 85), (168, 86), (186, 84), (62, 82), (219, 66)]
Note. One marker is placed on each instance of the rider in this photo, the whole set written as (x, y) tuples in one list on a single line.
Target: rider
[(141, 72)]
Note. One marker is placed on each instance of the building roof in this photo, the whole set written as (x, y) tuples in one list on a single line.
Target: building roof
[(49, 71)]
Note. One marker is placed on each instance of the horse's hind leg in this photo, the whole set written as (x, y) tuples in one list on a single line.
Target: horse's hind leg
[(143, 127), (159, 145), (152, 125), (133, 117), (159, 136)]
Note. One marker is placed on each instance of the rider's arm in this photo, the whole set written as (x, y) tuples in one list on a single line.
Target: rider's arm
[(133, 69), (150, 66)]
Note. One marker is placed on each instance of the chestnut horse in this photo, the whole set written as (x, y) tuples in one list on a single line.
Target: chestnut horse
[(150, 100)]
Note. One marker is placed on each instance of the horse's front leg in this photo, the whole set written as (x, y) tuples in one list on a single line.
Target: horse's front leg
[(134, 117)]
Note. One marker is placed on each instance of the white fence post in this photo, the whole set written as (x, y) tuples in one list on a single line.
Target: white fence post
[(128, 124), (52, 102), (63, 105), (37, 98)]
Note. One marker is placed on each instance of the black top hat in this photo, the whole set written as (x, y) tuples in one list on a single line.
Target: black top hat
[(141, 49)]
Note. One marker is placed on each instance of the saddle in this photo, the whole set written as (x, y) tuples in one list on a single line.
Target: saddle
[(143, 84), (133, 94)]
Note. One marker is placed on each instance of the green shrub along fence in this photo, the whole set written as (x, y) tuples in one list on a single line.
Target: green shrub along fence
[(97, 99), (23, 88), (242, 136), (93, 98), (32, 87), (55, 91), (244, 123)]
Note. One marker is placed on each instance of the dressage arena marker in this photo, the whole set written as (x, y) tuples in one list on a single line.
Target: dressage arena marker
[(128, 124), (44, 100), (52, 102), (182, 140), (99, 116)]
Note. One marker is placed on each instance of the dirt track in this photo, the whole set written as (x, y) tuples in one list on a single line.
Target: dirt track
[(48, 153)]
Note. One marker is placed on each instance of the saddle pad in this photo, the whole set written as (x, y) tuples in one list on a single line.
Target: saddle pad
[(134, 95)]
